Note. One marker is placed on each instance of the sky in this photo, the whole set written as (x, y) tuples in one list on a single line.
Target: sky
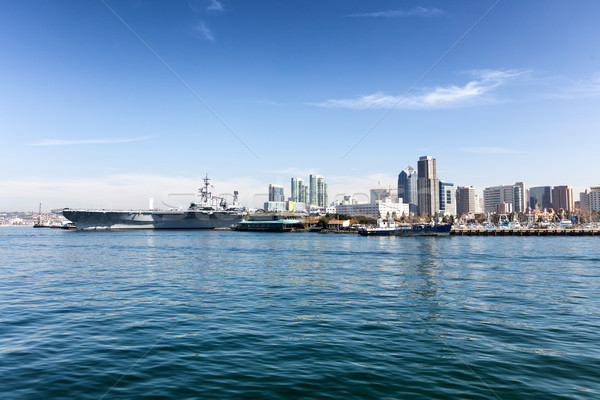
[(107, 103)]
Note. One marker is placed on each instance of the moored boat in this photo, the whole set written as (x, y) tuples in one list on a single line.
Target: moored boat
[(393, 229)]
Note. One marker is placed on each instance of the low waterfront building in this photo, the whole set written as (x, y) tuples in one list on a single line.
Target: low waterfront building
[(278, 222), (380, 209), (336, 224)]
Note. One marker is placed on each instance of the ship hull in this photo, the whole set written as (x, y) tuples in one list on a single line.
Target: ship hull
[(151, 219)]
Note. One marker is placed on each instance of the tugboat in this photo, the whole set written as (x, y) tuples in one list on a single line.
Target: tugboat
[(393, 229)]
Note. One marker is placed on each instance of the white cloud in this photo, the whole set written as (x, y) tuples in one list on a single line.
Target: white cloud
[(358, 186), (415, 12), (470, 94), (61, 142), (120, 191), (215, 5), (202, 32)]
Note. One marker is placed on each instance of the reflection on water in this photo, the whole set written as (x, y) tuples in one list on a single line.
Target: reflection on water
[(204, 314)]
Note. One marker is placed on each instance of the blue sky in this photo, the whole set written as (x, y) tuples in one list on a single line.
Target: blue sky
[(107, 103)]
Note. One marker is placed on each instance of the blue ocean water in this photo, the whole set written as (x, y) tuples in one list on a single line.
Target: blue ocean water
[(238, 315)]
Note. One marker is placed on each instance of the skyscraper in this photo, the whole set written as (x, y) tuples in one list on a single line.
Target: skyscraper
[(447, 198), (318, 191), (509, 194), (562, 197), (294, 190), (313, 189), (520, 197), (465, 200), (407, 188), (427, 186), (299, 190), (594, 194), (276, 193), (584, 201), (540, 197)]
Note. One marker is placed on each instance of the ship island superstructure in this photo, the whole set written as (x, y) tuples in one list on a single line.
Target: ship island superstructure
[(208, 212)]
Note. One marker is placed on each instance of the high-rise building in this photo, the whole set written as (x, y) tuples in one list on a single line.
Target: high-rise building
[(562, 197), (318, 191), (276, 193), (295, 192), (510, 194), (584, 201), (427, 186), (299, 190), (495, 195), (303, 194), (594, 194), (407, 188), (313, 189), (540, 198), (465, 200), (520, 197), (447, 198)]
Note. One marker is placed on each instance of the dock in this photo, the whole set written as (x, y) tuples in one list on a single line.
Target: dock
[(525, 232)]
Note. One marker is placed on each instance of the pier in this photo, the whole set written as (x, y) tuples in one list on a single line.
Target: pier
[(525, 232)]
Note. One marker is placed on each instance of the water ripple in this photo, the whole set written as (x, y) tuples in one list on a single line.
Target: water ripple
[(235, 315)]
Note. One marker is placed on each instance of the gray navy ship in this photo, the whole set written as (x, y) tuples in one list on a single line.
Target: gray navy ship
[(208, 213)]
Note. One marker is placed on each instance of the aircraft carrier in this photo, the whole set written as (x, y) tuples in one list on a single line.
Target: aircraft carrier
[(208, 213)]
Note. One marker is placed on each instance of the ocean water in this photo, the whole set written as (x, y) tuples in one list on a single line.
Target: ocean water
[(238, 315)]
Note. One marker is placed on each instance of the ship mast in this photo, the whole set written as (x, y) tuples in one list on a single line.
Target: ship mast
[(204, 193)]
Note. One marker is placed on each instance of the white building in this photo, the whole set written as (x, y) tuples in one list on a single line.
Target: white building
[(376, 210), (275, 206)]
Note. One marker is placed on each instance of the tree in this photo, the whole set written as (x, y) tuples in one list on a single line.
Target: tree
[(323, 221)]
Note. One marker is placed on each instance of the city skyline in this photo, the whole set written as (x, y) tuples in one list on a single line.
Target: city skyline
[(132, 100)]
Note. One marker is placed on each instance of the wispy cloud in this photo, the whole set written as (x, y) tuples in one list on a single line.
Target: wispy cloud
[(471, 93), (489, 150), (202, 32), (62, 142), (293, 172), (266, 102), (581, 89), (415, 12), (215, 5)]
